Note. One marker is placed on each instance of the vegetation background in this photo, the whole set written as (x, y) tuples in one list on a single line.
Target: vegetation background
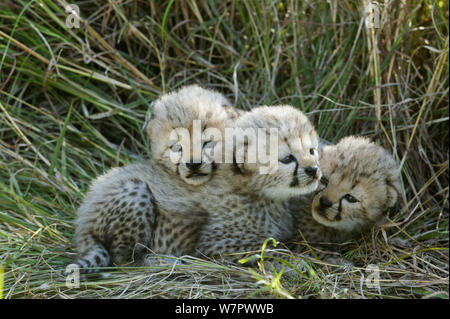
[(73, 103)]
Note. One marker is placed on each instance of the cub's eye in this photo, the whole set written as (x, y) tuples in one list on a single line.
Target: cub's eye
[(312, 151), (176, 147), (349, 198), (288, 159)]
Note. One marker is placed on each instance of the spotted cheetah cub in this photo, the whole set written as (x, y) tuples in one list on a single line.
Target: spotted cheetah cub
[(257, 208), (143, 205), (363, 183), (172, 131)]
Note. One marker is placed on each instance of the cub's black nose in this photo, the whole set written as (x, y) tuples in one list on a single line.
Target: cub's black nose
[(193, 166), (325, 203), (311, 171)]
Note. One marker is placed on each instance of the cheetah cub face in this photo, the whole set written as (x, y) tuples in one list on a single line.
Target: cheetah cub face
[(295, 170), (185, 130), (362, 184)]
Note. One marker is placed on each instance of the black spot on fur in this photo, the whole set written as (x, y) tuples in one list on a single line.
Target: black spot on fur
[(294, 182)]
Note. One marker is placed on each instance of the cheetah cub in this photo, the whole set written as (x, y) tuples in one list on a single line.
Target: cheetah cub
[(362, 184), (172, 131), (257, 208), (143, 205)]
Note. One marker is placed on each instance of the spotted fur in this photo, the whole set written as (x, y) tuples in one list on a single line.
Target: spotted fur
[(257, 209), (141, 208), (355, 167)]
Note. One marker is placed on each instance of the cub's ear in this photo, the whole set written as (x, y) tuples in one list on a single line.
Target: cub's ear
[(392, 195), (149, 121), (393, 188), (148, 125), (390, 204)]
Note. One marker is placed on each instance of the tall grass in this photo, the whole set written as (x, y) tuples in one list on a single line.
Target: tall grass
[(73, 103)]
